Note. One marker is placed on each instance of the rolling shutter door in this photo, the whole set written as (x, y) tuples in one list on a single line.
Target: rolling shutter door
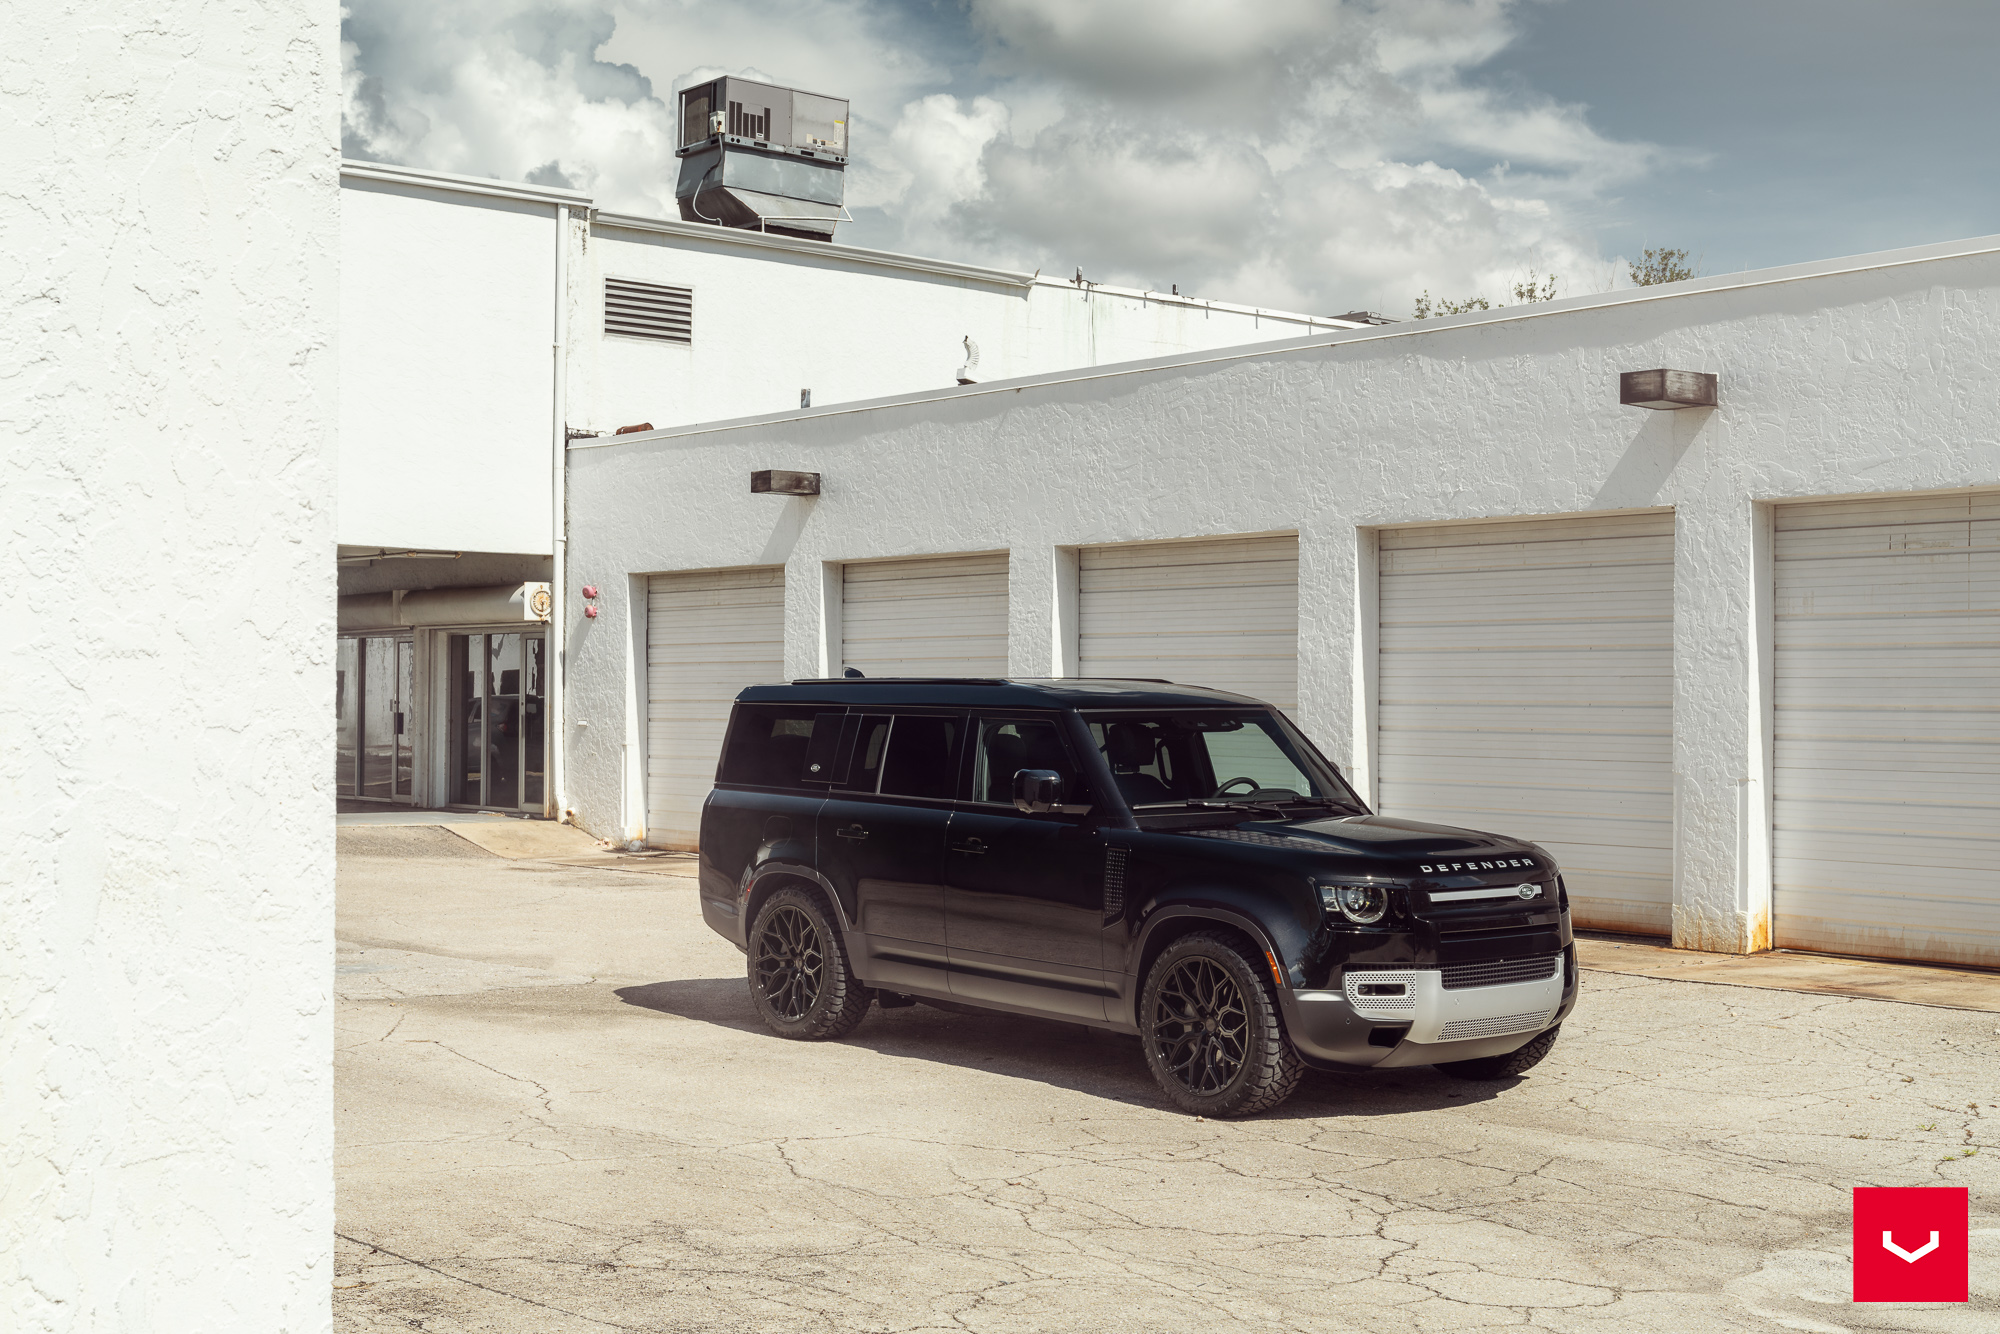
[(1887, 782), (1221, 613), (708, 635), (1527, 688), (938, 616)]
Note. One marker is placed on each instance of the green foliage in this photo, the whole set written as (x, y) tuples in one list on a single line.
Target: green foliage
[(1530, 292), (1427, 307), (1536, 288), (1661, 266)]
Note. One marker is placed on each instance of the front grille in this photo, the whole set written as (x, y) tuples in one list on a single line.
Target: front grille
[(1459, 1029), (1458, 976)]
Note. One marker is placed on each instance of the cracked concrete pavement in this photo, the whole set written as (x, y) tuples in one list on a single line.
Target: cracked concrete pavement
[(556, 1113)]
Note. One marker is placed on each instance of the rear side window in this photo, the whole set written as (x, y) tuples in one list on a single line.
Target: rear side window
[(919, 758), (768, 744)]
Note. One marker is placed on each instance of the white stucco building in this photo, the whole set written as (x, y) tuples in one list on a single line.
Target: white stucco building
[(483, 322), (166, 516), (1736, 666)]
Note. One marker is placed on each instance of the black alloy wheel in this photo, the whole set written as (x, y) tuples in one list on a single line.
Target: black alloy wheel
[(790, 963), (1211, 1029), (800, 980), (1200, 1027)]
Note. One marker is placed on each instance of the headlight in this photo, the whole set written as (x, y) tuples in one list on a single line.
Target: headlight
[(1361, 904)]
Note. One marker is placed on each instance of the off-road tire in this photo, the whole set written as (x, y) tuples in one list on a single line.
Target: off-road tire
[(1516, 1062), (800, 979), (1211, 1031)]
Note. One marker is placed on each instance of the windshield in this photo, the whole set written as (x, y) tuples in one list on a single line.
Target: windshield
[(1236, 758)]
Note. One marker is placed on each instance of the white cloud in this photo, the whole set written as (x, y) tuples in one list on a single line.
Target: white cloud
[(1318, 154)]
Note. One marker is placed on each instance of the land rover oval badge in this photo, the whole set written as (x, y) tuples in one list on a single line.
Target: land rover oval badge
[(1528, 891)]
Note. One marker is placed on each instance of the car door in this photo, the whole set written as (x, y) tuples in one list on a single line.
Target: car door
[(1024, 894), (881, 837)]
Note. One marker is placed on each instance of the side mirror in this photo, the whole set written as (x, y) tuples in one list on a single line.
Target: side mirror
[(1037, 791)]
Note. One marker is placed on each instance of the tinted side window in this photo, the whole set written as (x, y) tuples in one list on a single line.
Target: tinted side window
[(871, 743), (1007, 745), (919, 762), (768, 744)]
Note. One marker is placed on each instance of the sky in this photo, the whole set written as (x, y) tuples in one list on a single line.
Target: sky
[(1313, 155)]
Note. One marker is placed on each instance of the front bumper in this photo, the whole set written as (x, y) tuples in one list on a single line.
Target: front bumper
[(1388, 1018)]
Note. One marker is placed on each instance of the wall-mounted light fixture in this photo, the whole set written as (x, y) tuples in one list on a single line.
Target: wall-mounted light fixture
[(780, 483), (1666, 391)]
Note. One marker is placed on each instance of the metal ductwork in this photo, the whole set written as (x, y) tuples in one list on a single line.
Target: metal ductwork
[(762, 158)]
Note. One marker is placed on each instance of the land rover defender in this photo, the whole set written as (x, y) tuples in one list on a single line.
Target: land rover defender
[(1167, 861)]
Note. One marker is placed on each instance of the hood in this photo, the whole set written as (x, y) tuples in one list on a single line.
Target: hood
[(1387, 836)]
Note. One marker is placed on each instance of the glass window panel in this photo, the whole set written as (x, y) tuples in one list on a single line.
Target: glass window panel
[(468, 686), (346, 715), (503, 721), (1176, 757), (1007, 746), (406, 744), (871, 743), (532, 720), (378, 718), (920, 755), (768, 744)]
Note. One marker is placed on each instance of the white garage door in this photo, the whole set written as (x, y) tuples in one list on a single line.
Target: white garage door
[(708, 635), (1887, 811), (1221, 613), (937, 616), (1527, 688)]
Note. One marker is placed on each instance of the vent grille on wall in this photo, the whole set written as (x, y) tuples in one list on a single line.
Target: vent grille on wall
[(648, 310)]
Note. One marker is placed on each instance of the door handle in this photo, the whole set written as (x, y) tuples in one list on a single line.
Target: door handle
[(853, 831), (971, 845)]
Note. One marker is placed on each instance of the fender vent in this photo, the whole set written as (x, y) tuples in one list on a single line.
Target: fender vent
[(1114, 880)]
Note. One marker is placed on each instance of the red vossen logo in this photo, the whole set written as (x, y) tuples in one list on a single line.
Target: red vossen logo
[(1911, 1243)]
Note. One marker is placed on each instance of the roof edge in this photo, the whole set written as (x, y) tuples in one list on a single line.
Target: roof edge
[(887, 259), (1970, 248), (391, 174)]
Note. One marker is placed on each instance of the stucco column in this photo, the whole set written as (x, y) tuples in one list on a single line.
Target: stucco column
[(1041, 610), (812, 616), (1721, 746), (1337, 644)]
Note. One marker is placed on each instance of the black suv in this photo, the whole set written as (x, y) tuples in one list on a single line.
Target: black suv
[(1155, 859)]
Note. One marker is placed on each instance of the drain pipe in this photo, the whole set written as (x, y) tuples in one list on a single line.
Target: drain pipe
[(554, 800)]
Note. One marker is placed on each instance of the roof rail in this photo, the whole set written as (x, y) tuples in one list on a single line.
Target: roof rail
[(902, 680)]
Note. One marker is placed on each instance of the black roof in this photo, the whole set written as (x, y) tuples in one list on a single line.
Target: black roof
[(993, 692)]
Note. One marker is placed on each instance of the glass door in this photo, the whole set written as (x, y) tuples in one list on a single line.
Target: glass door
[(497, 716), (374, 743)]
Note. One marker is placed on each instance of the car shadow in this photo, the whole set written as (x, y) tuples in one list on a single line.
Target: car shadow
[(1085, 1060)]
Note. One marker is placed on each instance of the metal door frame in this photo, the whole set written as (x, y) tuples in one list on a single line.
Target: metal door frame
[(452, 751), (409, 712)]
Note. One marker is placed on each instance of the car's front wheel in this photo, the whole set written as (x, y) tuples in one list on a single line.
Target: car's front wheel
[(800, 980), (1211, 1029), (1506, 1066)]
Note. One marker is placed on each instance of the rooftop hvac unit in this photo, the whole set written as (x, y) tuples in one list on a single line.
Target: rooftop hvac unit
[(757, 156)]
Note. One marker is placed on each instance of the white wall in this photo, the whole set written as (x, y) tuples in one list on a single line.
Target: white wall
[(448, 314), (1848, 377), (773, 316), (447, 317), (166, 824)]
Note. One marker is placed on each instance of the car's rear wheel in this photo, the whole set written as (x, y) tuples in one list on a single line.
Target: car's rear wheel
[(1506, 1066), (1211, 1030), (800, 980)]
